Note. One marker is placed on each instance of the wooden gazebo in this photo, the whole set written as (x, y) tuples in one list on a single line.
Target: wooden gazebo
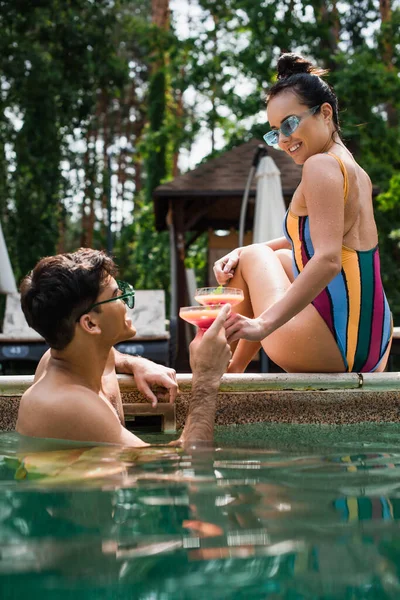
[(209, 198)]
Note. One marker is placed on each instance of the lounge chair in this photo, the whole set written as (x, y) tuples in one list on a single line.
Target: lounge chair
[(20, 342)]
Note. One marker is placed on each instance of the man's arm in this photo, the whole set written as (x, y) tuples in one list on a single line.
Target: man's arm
[(148, 375), (209, 358), (199, 426)]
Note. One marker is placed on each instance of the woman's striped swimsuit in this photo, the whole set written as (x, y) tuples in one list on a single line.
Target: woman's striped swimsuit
[(353, 304)]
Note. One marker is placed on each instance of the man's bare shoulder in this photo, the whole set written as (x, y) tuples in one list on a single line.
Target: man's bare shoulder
[(72, 412), (54, 389), (63, 394), (41, 369), (44, 407)]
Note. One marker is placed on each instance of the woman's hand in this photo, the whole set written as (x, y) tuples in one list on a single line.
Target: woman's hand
[(239, 327), (224, 268)]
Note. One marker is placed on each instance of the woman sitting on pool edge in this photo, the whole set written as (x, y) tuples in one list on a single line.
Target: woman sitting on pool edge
[(313, 298)]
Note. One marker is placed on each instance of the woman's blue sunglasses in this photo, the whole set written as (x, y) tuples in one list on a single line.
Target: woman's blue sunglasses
[(288, 126)]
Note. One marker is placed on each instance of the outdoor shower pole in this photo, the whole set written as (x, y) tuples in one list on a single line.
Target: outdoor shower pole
[(173, 276), (260, 153)]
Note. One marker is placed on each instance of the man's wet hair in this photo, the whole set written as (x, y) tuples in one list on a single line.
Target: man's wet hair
[(58, 291)]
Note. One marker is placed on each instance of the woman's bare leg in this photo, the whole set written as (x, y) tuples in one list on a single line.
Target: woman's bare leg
[(247, 350), (384, 361), (303, 344), (286, 258), (243, 351)]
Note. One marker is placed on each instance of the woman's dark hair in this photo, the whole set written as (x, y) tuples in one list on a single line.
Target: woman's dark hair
[(297, 74), (59, 290)]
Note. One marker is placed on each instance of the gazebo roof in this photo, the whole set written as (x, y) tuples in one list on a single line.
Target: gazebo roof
[(219, 185)]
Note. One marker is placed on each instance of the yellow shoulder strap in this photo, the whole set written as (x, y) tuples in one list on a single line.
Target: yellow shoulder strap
[(345, 176)]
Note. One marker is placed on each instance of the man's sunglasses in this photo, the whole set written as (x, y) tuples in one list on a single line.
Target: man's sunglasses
[(127, 295), (288, 126)]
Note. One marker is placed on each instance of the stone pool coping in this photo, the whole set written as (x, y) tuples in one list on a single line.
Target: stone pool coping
[(254, 382), (334, 398)]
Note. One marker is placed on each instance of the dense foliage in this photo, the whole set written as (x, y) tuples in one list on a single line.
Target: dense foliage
[(54, 57), (99, 98)]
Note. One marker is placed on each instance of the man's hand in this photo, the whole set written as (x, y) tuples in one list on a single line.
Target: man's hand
[(209, 351), (209, 358), (154, 381)]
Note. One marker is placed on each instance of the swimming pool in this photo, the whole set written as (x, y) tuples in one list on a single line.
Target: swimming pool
[(272, 511)]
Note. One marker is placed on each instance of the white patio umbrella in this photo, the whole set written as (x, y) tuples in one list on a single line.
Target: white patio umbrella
[(269, 208), (7, 280)]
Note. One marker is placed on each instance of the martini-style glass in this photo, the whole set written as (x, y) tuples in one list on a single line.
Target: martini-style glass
[(219, 295), (201, 316)]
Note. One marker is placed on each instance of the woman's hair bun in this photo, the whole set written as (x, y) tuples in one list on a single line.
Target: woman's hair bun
[(293, 64)]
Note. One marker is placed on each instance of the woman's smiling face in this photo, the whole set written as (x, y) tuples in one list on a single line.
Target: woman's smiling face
[(314, 132)]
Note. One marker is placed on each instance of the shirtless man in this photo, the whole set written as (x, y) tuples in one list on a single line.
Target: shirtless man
[(75, 303)]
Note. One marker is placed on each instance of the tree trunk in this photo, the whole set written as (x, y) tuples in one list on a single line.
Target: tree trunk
[(91, 217), (386, 17), (179, 117), (327, 16), (86, 194), (62, 226), (387, 54), (157, 100), (160, 13)]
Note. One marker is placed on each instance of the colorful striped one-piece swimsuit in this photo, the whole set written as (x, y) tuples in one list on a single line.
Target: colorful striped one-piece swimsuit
[(354, 304)]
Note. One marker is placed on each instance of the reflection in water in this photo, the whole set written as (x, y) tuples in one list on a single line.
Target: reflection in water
[(285, 521)]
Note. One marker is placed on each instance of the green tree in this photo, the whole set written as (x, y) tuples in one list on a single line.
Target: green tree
[(93, 92), (143, 253), (388, 219), (54, 56), (358, 41)]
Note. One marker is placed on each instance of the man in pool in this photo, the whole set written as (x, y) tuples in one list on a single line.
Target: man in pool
[(75, 303)]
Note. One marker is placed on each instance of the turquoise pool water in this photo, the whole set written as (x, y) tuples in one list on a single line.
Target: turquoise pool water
[(273, 511)]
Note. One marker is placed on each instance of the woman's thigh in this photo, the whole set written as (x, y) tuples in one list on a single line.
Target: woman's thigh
[(304, 343), (385, 358), (286, 259)]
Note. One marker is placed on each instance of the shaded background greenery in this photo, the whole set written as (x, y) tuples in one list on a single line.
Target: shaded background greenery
[(101, 97)]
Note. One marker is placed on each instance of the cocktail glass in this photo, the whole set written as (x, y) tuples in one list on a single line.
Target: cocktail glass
[(201, 316), (219, 295)]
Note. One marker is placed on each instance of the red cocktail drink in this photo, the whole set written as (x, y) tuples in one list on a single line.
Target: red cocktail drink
[(219, 295), (201, 316)]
